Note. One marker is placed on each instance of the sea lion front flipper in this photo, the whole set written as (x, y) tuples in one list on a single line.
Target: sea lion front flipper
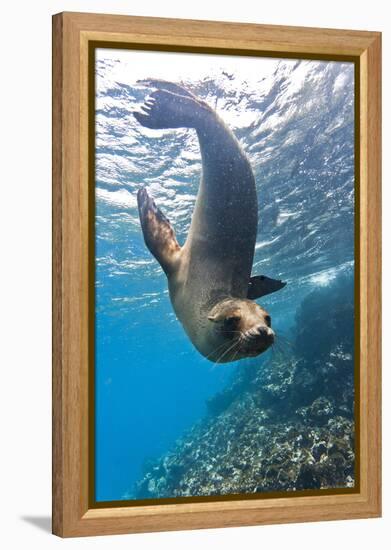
[(260, 285), (159, 235)]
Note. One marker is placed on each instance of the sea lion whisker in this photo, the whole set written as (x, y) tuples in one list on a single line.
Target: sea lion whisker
[(277, 344), (283, 344), (287, 346), (280, 352), (230, 348), (235, 354), (276, 355), (236, 343), (283, 338), (216, 349)]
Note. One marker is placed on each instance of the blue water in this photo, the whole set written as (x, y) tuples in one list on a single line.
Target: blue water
[(295, 121)]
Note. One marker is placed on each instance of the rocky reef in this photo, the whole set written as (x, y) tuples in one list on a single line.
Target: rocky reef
[(283, 424)]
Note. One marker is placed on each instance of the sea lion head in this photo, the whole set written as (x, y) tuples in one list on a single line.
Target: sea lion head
[(240, 328)]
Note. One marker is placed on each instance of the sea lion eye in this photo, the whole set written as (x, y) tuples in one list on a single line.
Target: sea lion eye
[(268, 320), (231, 322)]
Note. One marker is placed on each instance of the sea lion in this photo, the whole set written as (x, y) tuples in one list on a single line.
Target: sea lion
[(209, 277)]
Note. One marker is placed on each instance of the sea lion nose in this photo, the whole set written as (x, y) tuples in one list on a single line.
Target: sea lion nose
[(266, 333)]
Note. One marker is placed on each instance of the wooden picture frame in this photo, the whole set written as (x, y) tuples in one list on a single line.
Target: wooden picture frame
[(74, 36)]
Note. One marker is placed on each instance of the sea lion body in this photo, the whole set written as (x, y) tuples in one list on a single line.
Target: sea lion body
[(209, 277), (218, 254)]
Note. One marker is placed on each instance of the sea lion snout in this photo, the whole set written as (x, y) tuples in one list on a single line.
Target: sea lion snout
[(257, 339), (266, 333)]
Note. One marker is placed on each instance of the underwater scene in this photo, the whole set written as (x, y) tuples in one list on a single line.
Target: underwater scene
[(178, 414)]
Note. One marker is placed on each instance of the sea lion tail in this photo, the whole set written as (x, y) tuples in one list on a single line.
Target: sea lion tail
[(171, 106)]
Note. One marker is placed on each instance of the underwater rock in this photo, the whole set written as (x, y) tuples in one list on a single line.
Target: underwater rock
[(283, 425), (237, 452)]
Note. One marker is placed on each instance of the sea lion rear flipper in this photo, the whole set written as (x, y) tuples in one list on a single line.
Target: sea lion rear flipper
[(170, 106), (166, 85), (260, 285), (159, 235)]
